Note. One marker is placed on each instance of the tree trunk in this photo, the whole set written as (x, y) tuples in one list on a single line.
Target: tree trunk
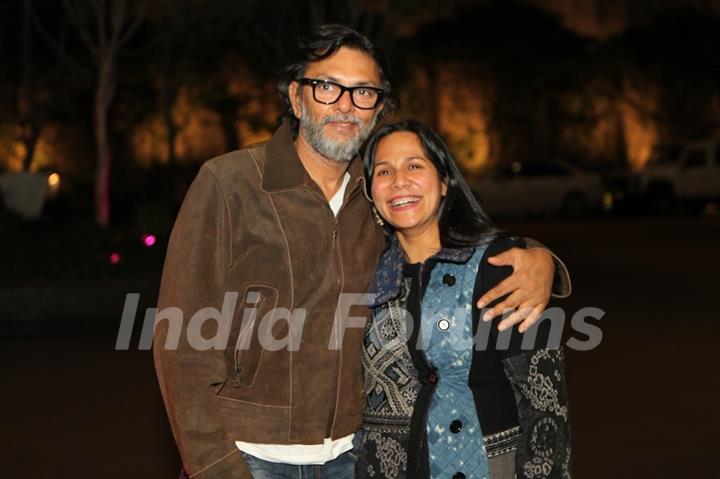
[(103, 97), (227, 109), (171, 89), (621, 152), (230, 133), (30, 137), (169, 97), (434, 96), (29, 124)]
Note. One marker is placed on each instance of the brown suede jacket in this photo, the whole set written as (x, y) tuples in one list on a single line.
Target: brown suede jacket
[(253, 222), (256, 226)]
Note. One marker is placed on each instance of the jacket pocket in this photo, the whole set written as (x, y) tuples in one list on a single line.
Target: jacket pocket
[(259, 300)]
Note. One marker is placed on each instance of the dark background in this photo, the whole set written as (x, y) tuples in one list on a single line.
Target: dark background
[(595, 84)]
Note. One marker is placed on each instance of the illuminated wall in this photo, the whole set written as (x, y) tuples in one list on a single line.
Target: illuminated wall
[(455, 99), (63, 148), (463, 107), (200, 133), (593, 125), (639, 113)]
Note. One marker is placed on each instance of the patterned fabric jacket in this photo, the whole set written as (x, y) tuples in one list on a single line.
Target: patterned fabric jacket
[(436, 407)]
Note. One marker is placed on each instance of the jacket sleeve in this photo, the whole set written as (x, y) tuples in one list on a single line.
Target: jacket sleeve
[(537, 377), (194, 276), (562, 286), (538, 380)]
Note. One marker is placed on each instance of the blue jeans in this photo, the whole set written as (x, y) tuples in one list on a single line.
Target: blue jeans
[(342, 467)]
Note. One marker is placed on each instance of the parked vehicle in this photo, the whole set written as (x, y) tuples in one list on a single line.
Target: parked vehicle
[(534, 188), (691, 177)]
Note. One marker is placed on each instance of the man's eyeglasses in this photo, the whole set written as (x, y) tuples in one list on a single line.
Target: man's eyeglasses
[(327, 93)]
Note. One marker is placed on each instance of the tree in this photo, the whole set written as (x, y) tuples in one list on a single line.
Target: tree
[(30, 124), (103, 27), (187, 59), (30, 74)]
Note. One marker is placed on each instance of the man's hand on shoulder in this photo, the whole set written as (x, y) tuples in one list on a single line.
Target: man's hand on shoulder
[(528, 289)]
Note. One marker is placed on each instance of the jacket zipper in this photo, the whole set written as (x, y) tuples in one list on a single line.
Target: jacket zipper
[(339, 284), (335, 380)]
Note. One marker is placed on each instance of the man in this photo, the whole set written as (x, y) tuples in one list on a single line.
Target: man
[(267, 241)]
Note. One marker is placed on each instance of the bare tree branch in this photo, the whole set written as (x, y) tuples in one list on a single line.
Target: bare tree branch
[(100, 8), (135, 24), (73, 13), (59, 49), (353, 14), (273, 43), (317, 12), (117, 18)]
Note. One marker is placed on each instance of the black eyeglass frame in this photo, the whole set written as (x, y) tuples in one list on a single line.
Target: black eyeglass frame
[(314, 82)]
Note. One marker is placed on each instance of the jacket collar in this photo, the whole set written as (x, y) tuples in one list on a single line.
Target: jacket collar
[(388, 281), (283, 169)]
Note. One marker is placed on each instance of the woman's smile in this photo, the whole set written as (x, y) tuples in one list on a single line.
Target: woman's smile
[(406, 188), (403, 202)]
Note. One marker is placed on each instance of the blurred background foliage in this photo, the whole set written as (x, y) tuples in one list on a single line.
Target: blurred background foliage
[(125, 98)]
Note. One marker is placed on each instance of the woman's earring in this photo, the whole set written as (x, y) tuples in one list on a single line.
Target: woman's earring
[(378, 219)]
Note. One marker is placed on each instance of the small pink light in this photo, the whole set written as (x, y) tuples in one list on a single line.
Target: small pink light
[(149, 240), (115, 258)]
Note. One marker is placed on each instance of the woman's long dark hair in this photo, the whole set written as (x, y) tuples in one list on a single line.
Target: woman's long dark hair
[(463, 222)]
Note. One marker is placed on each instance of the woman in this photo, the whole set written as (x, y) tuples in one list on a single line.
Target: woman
[(447, 396)]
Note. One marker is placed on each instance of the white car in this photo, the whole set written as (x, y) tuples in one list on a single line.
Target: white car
[(534, 188), (692, 177)]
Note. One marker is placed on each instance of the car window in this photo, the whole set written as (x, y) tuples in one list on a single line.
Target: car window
[(695, 159)]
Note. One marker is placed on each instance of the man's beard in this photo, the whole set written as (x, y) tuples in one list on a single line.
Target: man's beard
[(335, 150)]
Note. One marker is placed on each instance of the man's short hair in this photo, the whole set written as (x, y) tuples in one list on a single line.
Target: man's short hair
[(318, 44)]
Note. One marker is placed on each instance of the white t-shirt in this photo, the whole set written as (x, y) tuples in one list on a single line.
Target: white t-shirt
[(305, 454)]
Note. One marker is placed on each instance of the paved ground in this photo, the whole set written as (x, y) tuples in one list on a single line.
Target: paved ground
[(643, 404)]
